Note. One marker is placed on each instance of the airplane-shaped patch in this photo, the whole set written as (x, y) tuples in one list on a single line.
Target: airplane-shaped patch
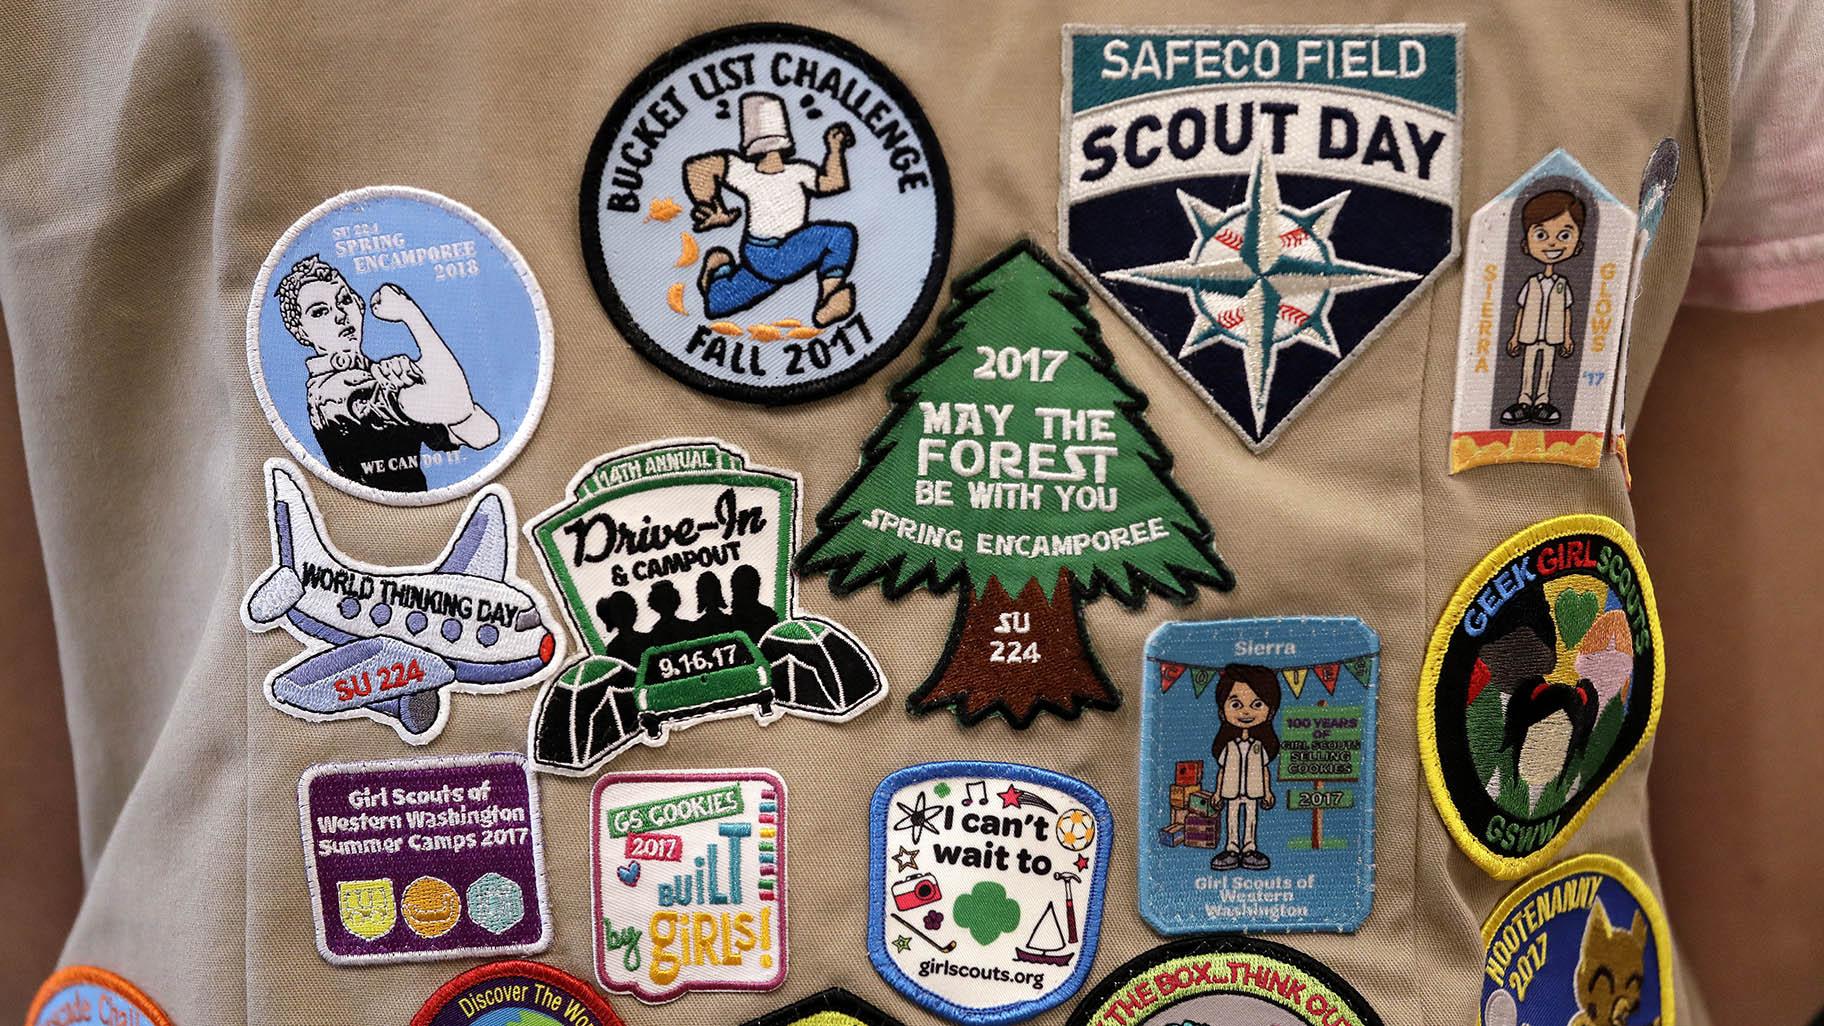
[(389, 643)]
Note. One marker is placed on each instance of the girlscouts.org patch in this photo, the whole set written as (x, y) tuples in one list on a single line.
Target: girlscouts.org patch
[(817, 211), (1545, 290), (399, 345), (1542, 682), (84, 994), (1582, 943), (418, 859), (1016, 468), (1260, 203), (515, 993), (1226, 980), (689, 881), (833, 1007), (985, 900), (1257, 775)]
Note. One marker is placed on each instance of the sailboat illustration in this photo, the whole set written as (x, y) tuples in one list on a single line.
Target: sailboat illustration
[(1045, 944)]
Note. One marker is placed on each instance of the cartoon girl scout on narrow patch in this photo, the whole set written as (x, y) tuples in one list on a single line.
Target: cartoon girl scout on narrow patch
[(1553, 223), (1247, 698)]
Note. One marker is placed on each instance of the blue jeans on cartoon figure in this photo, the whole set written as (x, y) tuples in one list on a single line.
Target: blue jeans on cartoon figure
[(768, 265)]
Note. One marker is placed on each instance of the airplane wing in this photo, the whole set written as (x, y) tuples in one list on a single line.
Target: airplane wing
[(480, 547), (381, 676)]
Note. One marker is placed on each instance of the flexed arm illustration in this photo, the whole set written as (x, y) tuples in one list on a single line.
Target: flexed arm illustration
[(437, 391)]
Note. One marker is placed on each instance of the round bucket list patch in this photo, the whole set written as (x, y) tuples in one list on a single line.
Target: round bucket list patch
[(418, 859), (689, 881), (1257, 775), (1543, 680), (833, 1007), (985, 897), (1583, 942), (399, 345), (766, 214), (1234, 981), (515, 993), (85, 994)]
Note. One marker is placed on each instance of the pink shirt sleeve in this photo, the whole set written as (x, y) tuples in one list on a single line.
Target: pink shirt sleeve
[(1762, 244)]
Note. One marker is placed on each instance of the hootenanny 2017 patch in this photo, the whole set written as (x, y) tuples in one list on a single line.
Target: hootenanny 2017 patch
[(1546, 277), (1260, 203), (1583, 943), (1257, 775), (688, 874), (1233, 981), (515, 993), (84, 994), (833, 1007), (673, 561), (389, 643), (805, 199), (1016, 467), (1543, 681), (399, 345), (430, 858), (985, 900)]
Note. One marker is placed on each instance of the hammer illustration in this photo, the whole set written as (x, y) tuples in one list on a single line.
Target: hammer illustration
[(1070, 903)]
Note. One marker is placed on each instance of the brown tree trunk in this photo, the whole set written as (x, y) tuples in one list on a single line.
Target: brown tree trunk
[(1017, 657)]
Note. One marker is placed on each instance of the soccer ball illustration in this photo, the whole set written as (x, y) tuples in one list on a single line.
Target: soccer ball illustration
[(1076, 829)]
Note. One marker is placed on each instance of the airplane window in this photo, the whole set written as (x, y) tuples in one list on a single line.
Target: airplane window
[(349, 608), (452, 629), (488, 634), (381, 614), (526, 621), (416, 622)]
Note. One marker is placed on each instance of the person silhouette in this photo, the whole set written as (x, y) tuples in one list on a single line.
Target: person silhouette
[(749, 614), (664, 600), (712, 607), (618, 612)]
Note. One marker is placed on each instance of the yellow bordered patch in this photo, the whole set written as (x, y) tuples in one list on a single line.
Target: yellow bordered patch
[(519, 992)]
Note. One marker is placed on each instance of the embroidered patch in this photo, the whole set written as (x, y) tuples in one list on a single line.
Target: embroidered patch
[(689, 881), (1543, 681), (1656, 184), (1260, 203), (1016, 467), (83, 993), (389, 643), (1223, 980), (818, 208), (417, 859), (833, 1007), (1257, 775), (1546, 282), (1582, 943), (674, 564), (515, 993), (985, 900), (399, 345)]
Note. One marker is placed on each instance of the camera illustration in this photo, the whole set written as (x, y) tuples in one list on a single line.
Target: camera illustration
[(916, 892)]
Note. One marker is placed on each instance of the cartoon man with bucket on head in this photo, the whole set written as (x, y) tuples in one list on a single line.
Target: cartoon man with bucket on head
[(780, 243)]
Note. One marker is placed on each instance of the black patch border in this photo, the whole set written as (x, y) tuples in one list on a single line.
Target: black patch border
[(835, 999), (1216, 944)]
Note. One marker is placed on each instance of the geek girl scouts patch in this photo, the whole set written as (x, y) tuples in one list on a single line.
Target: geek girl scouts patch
[(389, 643), (1260, 203), (1223, 981), (1583, 943), (417, 859), (515, 993), (1540, 335), (833, 1007), (689, 881), (673, 561), (1543, 680), (985, 901), (399, 345), (766, 214), (1257, 775), (84, 994)]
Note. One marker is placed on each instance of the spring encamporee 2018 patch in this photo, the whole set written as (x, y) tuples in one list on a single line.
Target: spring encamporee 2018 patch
[(688, 868), (818, 205), (1545, 277), (833, 1007), (985, 897), (1260, 202), (399, 345), (1656, 184), (515, 992), (673, 561), (85, 994), (1583, 943), (1257, 775), (1232, 981), (1543, 680), (389, 643), (1017, 468), (428, 858)]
